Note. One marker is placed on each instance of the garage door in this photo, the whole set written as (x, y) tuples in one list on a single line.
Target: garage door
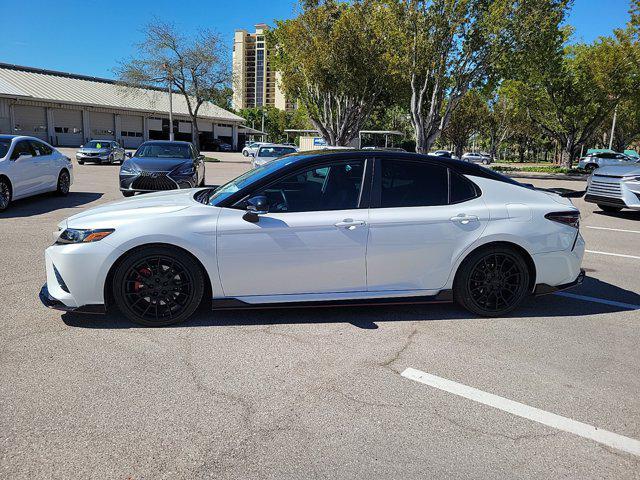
[(67, 127), (131, 131), (30, 121), (102, 126)]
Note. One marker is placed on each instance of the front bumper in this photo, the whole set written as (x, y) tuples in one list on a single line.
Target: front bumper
[(613, 192), (55, 304), (93, 158)]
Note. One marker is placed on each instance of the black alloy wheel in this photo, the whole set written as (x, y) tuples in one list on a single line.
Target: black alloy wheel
[(64, 183), (158, 286), (492, 281), (5, 195)]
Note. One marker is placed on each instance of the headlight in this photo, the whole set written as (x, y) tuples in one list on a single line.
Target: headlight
[(187, 169), (129, 169), (73, 235)]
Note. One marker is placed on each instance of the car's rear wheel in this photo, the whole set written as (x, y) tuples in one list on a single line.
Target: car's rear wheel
[(158, 286), (245, 153), (64, 183), (609, 208), (492, 281), (5, 194)]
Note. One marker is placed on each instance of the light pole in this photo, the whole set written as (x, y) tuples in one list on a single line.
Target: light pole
[(613, 127), (169, 81)]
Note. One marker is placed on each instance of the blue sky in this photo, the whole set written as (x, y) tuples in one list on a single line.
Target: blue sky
[(90, 36)]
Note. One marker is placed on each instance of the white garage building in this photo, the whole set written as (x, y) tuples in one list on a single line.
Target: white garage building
[(68, 110)]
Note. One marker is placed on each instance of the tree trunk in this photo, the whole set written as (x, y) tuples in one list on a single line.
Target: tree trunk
[(195, 134)]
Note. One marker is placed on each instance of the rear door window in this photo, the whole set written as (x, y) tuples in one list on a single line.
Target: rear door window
[(413, 184)]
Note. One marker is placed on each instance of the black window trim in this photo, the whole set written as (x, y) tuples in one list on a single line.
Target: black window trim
[(376, 192), (28, 142), (364, 199)]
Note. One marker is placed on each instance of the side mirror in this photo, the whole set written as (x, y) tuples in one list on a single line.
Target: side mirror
[(129, 154), (256, 206)]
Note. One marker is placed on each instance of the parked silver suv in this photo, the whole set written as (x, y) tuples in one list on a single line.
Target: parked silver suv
[(100, 151), (605, 159)]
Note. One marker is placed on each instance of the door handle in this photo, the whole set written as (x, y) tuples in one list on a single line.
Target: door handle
[(350, 224), (464, 219)]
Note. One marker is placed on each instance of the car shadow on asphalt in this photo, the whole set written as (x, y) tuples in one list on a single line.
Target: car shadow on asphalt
[(368, 317), (48, 202), (623, 214)]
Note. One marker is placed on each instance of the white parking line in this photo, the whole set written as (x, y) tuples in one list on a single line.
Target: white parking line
[(613, 254), (612, 229), (628, 306), (565, 424)]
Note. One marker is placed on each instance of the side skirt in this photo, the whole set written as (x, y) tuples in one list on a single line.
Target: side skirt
[(445, 296)]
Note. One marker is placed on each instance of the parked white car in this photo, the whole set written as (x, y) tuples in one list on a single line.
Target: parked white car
[(29, 166), (252, 148), (615, 188), (269, 152), (332, 226), (606, 159), (476, 157)]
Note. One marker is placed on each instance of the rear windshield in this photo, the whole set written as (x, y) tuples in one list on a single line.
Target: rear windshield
[(163, 150), (4, 147), (97, 144), (274, 152)]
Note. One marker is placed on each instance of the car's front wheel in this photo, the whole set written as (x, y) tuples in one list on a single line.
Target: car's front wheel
[(492, 281), (245, 153), (5, 194), (158, 286), (609, 208), (64, 183)]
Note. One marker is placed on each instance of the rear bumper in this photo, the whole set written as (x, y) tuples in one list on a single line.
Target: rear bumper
[(544, 289)]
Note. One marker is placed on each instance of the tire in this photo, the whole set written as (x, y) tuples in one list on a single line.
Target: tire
[(245, 153), (5, 194), (492, 281), (128, 194), (64, 183), (609, 208), (485, 162), (590, 167), (158, 286)]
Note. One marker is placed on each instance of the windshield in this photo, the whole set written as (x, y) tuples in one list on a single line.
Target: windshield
[(274, 152), (97, 144), (163, 150), (224, 191)]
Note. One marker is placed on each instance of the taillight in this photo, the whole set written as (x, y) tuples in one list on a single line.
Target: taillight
[(571, 219)]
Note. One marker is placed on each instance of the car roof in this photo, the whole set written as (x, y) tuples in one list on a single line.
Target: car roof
[(275, 145), (19, 137), (166, 142)]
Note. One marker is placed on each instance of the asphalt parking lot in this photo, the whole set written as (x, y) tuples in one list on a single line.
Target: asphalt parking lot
[(318, 393)]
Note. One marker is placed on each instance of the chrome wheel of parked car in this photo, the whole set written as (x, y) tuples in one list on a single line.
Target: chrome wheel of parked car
[(158, 286), (64, 183), (492, 282), (5, 195)]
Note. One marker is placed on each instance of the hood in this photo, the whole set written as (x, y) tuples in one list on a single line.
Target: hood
[(154, 164), (94, 150), (131, 209), (626, 170)]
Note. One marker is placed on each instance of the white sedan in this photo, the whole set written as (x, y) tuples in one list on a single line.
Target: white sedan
[(334, 226), (29, 166)]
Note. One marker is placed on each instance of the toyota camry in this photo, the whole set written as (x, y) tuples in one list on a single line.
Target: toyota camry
[(339, 227)]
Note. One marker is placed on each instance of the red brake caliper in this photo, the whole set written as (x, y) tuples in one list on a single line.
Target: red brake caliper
[(143, 272)]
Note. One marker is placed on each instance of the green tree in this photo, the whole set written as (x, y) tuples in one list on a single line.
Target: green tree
[(447, 47), (577, 89), (466, 121), (334, 62)]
